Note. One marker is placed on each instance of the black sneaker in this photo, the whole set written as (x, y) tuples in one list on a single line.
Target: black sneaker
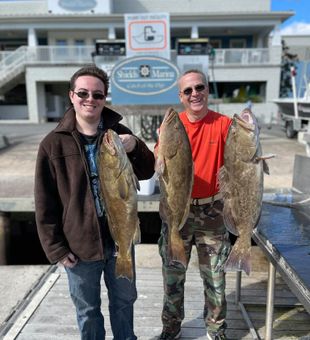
[(170, 336), (220, 335)]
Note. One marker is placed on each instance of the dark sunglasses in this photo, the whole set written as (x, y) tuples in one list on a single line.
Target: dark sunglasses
[(198, 88), (85, 95)]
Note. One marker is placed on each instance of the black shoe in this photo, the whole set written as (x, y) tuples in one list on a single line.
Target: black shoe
[(170, 336)]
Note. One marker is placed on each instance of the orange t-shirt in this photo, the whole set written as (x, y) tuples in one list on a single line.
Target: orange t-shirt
[(207, 138)]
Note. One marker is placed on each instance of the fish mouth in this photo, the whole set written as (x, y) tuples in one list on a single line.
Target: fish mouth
[(106, 138), (246, 120), (108, 141), (170, 114)]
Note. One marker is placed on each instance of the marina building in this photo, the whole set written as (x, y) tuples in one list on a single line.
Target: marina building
[(43, 42)]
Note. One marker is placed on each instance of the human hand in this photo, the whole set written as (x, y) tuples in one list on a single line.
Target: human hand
[(69, 261), (129, 142)]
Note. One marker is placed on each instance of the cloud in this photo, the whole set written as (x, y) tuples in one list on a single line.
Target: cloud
[(297, 28)]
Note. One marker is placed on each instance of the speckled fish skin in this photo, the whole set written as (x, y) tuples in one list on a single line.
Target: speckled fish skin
[(241, 183), (119, 194), (174, 166)]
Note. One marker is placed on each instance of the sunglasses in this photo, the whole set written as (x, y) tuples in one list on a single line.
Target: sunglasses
[(85, 95), (198, 88)]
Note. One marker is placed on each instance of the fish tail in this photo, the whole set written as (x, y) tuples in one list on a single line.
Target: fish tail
[(177, 251), (240, 257), (123, 267)]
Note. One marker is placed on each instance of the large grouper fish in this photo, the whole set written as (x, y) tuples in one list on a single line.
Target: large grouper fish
[(119, 194), (174, 166), (241, 183)]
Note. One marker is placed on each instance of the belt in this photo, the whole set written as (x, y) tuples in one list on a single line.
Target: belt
[(211, 199)]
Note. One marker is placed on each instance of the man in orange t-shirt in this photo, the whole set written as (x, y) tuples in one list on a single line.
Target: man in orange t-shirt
[(207, 131)]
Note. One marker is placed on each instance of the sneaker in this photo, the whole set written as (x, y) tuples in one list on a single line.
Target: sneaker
[(170, 336), (220, 335)]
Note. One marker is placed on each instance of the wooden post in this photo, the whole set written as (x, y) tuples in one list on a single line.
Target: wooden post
[(4, 237)]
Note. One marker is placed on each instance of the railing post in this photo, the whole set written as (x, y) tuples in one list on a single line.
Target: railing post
[(270, 301)]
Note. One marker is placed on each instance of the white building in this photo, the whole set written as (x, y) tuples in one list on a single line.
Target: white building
[(43, 42)]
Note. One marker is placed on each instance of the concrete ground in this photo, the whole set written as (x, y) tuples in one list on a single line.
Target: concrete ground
[(16, 178)]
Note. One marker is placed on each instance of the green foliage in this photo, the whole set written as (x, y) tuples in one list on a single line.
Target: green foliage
[(252, 98), (245, 95)]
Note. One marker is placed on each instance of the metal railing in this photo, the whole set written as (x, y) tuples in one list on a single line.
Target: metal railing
[(13, 63), (242, 56)]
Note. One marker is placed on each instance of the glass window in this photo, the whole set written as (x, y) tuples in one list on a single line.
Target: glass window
[(79, 42), (216, 43), (237, 43), (61, 49), (61, 42)]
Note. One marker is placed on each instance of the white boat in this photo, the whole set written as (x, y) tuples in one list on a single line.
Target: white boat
[(295, 111), (286, 107)]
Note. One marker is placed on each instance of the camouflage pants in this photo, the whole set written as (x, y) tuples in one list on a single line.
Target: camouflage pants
[(205, 229)]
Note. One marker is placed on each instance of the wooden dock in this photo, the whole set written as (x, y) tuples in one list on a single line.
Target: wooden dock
[(47, 312), (50, 315)]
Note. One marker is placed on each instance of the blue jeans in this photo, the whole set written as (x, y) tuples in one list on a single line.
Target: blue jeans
[(85, 290)]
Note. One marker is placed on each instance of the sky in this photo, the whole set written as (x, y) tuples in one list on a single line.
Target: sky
[(300, 22)]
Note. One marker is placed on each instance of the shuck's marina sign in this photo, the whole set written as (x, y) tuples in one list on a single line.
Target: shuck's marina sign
[(145, 80)]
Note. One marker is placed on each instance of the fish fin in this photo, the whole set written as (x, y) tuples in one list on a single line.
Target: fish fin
[(159, 166), (135, 182), (240, 257), (123, 267), (229, 221), (268, 156), (111, 225), (222, 179), (176, 248), (156, 176), (185, 216), (137, 235), (123, 187), (163, 211), (266, 167)]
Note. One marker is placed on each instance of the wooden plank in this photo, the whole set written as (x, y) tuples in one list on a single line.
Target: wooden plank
[(30, 309), (55, 318)]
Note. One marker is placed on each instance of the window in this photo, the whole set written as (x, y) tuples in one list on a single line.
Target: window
[(61, 42), (79, 47), (237, 43), (216, 43), (79, 42), (61, 49)]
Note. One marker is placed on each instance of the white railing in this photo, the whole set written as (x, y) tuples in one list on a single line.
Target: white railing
[(13, 63), (242, 56), (4, 54)]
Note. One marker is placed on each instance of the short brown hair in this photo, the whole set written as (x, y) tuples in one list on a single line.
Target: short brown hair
[(203, 76), (91, 70)]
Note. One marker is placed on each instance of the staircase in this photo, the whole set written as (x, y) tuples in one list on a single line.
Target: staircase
[(13, 65), (12, 68)]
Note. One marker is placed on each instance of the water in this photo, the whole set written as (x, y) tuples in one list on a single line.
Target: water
[(24, 246)]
